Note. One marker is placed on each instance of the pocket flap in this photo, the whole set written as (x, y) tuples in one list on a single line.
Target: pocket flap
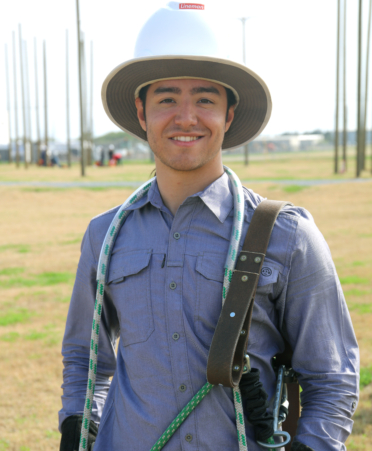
[(211, 266), (269, 272), (128, 264)]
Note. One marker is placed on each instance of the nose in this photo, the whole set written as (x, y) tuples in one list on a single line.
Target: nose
[(186, 115)]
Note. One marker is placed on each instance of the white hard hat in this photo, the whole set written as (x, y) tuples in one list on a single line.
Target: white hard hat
[(178, 42)]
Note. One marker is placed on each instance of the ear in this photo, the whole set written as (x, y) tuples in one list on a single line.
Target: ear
[(230, 117), (140, 113)]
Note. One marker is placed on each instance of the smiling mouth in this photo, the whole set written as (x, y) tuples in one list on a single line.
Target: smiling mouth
[(186, 138)]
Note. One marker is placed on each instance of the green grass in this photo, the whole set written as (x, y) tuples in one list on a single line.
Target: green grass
[(35, 335), (43, 280), (75, 241), (10, 337), (365, 377), (4, 444), (294, 188), (20, 248), (355, 292), (14, 317), (361, 308), (11, 271), (354, 280)]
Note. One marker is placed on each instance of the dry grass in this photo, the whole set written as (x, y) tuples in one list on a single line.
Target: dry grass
[(40, 232)]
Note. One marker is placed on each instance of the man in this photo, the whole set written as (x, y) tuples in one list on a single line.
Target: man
[(164, 283)]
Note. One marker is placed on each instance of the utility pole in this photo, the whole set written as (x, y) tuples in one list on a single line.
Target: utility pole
[(246, 150), (16, 137), (344, 150), (37, 105), (23, 96), (82, 158), (363, 156), (46, 139), (359, 98), (8, 102), (68, 106), (337, 87)]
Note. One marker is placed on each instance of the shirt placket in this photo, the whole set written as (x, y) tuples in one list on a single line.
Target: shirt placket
[(182, 384)]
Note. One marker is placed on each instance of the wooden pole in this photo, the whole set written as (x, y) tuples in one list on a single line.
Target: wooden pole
[(344, 150), (16, 137), (37, 104), (82, 158), (363, 156), (246, 149), (8, 103), (359, 108), (30, 157), (23, 96), (337, 87), (46, 138), (68, 105)]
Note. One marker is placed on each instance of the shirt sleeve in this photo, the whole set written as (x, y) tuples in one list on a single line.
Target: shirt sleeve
[(317, 324), (76, 342)]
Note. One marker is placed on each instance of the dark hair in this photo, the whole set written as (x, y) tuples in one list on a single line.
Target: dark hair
[(231, 100)]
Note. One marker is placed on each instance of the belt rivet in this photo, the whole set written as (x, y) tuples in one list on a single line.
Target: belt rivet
[(244, 278), (242, 332), (232, 314), (236, 368), (257, 260), (243, 258)]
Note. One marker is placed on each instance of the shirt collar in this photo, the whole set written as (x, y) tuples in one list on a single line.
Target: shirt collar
[(217, 197)]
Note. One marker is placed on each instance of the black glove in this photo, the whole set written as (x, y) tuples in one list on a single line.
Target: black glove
[(298, 446), (254, 400), (71, 429)]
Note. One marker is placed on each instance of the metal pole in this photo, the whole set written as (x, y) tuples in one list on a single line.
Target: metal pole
[(91, 102), (8, 102), (68, 106), (337, 87), (246, 150), (82, 158), (363, 155), (85, 100), (359, 109), (344, 150), (23, 96), (16, 137), (46, 139), (37, 104), (28, 109)]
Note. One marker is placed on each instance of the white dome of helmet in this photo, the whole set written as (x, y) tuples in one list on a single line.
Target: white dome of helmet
[(178, 42)]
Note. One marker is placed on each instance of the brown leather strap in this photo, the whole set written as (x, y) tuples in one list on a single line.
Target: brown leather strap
[(230, 339), (290, 424)]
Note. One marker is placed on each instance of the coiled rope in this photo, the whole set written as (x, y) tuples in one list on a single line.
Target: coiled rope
[(103, 265)]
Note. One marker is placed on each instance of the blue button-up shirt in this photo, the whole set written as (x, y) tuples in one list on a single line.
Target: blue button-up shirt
[(163, 299)]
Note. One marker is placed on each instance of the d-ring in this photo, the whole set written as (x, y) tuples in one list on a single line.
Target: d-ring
[(284, 434)]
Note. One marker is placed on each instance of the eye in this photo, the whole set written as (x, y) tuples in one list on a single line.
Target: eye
[(205, 101), (168, 100)]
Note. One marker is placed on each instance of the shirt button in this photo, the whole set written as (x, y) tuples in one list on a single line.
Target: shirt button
[(176, 236), (188, 437), (353, 405), (175, 336), (173, 285), (182, 388)]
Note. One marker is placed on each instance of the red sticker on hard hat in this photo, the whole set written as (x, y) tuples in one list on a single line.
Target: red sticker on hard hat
[(191, 6)]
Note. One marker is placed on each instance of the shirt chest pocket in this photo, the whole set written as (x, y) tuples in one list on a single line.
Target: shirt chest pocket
[(210, 273), (129, 287)]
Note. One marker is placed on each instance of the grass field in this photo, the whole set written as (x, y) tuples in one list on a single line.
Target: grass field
[(40, 234)]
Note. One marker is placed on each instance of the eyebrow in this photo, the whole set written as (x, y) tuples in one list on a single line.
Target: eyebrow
[(197, 90)]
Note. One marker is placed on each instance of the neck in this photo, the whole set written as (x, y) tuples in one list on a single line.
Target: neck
[(175, 186)]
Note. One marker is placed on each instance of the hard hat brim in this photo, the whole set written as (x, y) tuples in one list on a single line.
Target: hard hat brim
[(251, 115)]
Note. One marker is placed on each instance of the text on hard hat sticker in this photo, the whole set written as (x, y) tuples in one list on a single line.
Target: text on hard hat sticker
[(191, 6)]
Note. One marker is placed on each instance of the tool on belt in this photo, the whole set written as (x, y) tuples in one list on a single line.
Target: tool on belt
[(226, 357)]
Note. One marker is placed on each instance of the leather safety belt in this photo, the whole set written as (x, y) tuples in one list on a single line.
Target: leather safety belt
[(229, 344)]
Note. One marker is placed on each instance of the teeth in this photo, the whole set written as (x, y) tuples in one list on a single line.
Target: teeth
[(185, 138)]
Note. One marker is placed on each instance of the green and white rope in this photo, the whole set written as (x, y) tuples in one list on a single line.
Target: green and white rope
[(103, 265), (232, 255)]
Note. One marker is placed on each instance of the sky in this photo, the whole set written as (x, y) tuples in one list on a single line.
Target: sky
[(290, 44)]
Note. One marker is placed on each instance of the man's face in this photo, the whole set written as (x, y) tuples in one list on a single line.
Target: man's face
[(185, 122)]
